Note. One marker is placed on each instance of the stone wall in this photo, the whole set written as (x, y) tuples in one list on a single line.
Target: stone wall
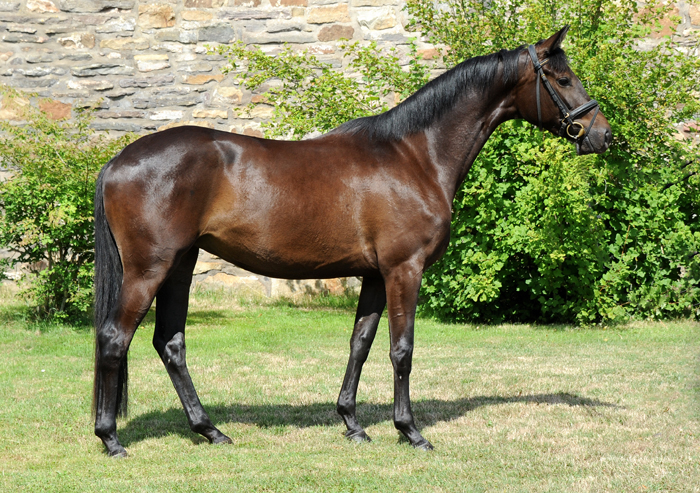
[(145, 67), (145, 64)]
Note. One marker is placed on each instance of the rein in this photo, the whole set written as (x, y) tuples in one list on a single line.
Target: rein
[(569, 126)]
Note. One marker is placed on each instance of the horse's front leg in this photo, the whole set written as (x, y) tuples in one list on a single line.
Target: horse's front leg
[(369, 310), (402, 286)]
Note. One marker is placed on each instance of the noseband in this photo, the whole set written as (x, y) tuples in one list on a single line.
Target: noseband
[(569, 126)]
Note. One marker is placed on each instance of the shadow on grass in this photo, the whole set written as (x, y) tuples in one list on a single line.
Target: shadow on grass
[(427, 413), (204, 317)]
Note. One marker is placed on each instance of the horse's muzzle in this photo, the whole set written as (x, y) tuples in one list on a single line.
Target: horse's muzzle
[(596, 141)]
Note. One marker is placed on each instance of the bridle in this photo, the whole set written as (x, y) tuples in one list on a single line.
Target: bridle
[(569, 126)]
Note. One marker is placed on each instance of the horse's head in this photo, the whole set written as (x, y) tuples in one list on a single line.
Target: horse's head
[(550, 96)]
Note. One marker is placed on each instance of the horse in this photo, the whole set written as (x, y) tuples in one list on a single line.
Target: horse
[(371, 198)]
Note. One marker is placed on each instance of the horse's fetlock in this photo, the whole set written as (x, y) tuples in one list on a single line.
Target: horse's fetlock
[(404, 423), (104, 430), (201, 427), (345, 408)]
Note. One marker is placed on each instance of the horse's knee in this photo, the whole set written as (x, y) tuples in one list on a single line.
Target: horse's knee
[(359, 347), (362, 338), (401, 355)]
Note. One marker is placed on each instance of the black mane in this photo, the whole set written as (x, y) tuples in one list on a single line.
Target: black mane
[(435, 98)]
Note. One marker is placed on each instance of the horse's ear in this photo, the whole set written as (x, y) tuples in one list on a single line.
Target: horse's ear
[(550, 44)]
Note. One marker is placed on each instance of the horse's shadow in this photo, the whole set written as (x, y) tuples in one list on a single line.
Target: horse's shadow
[(427, 413)]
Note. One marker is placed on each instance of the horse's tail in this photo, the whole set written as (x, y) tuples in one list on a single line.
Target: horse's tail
[(108, 281)]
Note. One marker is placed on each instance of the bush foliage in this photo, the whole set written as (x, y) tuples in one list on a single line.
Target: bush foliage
[(539, 233), (543, 234), (315, 96), (47, 205)]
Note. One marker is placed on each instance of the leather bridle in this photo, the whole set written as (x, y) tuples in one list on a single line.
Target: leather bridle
[(569, 126)]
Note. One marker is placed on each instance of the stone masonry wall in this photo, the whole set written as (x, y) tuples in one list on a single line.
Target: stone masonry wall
[(145, 67), (145, 64)]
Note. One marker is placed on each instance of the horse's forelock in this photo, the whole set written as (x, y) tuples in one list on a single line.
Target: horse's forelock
[(558, 60)]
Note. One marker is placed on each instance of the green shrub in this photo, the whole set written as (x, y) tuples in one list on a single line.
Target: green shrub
[(316, 96), (542, 234), (47, 205), (539, 233)]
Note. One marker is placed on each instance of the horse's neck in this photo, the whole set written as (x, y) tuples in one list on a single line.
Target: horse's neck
[(458, 137)]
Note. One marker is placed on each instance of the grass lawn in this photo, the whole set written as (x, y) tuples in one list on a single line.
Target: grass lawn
[(508, 407)]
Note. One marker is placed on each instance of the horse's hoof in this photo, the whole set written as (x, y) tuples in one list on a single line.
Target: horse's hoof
[(221, 440), (358, 436), (424, 445), (119, 453)]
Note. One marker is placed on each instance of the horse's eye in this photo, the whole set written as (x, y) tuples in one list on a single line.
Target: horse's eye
[(564, 81)]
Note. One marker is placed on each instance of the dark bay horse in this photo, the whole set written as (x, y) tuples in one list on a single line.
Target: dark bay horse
[(372, 198)]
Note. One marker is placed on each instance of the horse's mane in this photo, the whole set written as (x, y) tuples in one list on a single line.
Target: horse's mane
[(435, 98)]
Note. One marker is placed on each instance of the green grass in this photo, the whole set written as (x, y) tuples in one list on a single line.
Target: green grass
[(508, 408)]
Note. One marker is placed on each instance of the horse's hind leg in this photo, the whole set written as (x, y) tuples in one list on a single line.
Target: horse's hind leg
[(369, 310), (113, 339), (169, 342)]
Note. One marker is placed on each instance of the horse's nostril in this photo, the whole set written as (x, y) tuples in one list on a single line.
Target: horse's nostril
[(608, 136)]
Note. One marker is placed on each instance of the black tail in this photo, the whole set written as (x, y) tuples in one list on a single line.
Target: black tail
[(108, 281)]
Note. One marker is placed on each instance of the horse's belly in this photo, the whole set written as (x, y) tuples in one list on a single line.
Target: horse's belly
[(286, 254)]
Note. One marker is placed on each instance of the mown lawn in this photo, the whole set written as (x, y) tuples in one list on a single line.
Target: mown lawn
[(508, 407)]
